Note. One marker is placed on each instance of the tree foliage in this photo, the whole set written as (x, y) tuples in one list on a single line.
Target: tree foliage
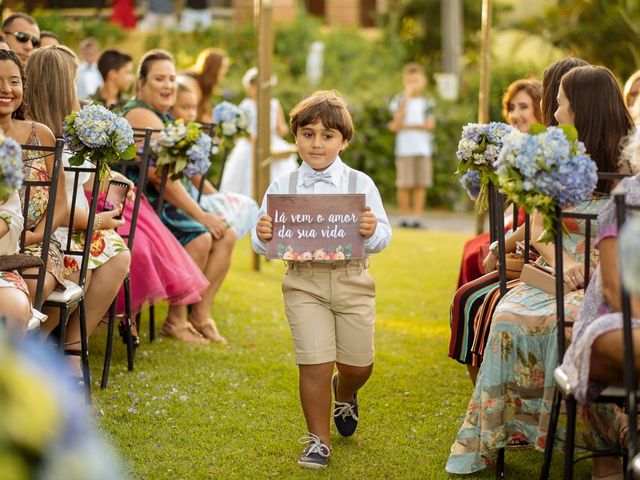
[(603, 32)]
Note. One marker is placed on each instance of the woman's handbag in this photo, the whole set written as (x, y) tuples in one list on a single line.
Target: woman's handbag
[(18, 261), (542, 277)]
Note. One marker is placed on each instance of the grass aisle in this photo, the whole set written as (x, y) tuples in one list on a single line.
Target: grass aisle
[(192, 412)]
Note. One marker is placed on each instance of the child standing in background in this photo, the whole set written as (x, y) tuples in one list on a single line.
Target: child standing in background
[(413, 122), (238, 170), (330, 305)]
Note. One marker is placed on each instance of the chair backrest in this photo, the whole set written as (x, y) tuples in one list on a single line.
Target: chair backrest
[(140, 164), (165, 175), (78, 190), (589, 218), (28, 185), (630, 377)]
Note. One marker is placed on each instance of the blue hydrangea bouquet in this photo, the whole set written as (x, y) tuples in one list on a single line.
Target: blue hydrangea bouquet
[(545, 168), (97, 133), (230, 120), (11, 175), (470, 181), (183, 148), (478, 149)]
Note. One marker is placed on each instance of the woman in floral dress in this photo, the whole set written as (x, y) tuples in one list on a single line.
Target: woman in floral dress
[(51, 97), (514, 391), (37, 166), (15, 305)]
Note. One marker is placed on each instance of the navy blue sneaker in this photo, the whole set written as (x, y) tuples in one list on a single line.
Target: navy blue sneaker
[(345, 414), (316, 454)]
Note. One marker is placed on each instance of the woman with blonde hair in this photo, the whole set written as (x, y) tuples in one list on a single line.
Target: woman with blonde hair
[(51, 96), (631, 92), (210, 68)]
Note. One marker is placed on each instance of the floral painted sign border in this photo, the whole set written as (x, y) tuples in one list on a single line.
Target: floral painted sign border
[(316, 227)]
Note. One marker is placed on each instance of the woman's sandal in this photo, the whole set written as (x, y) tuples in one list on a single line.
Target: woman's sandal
[(122, 328), (210, 331), (184, 332)]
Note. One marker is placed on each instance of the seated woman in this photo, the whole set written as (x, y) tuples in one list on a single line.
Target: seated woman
[(51, 96), (238, 210), (36, 167), (521, 109), (514, 388), (595, 357), (204, 235)]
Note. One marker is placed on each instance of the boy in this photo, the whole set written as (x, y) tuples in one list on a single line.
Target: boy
[(88, 78), (116, 69), (330, 306), (413, 123)]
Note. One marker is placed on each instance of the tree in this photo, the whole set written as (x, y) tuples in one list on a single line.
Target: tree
[(603, 32)]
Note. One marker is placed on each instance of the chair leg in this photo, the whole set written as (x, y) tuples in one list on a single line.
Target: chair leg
[(570, 440), (152, 323), (551, 434), (109, 348), (500, 465), (84, 345), (62, 324), (128, 320)]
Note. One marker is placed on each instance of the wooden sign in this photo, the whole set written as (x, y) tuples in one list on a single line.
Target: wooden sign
[(316, 227)]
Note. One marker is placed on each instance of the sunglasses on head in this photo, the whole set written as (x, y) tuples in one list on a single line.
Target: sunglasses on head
[(25, 37)]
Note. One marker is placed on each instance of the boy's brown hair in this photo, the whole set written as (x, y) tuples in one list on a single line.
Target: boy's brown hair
[(329, 107), (412, 67)]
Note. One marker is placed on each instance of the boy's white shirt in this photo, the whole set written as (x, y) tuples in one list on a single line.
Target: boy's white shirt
[(409, 142), (340, 184)]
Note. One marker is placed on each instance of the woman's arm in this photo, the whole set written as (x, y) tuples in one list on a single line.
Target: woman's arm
[(208, 187), (610, 270), (573, 271), (281, 125), (60, 214)]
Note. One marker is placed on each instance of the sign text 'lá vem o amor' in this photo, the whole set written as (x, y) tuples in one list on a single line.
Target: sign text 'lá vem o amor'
[(316, 227)]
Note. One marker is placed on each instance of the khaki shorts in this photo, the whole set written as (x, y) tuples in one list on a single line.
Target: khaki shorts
[(331, 312), (413, 172)]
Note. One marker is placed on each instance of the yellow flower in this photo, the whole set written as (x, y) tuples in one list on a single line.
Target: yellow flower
[(31, 416)]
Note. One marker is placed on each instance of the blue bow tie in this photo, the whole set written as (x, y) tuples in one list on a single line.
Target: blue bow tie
[(308, 179)]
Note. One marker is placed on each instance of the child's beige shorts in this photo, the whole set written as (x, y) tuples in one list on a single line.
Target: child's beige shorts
[(414, 172), (331, 312)]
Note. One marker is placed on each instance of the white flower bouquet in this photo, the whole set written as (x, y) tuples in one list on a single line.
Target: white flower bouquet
[(478, 149)]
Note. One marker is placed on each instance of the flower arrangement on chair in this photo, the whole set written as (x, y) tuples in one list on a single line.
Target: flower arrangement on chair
[(478, 149), (230, 120), (97, 133), (11, 175), (545, 168), (183, 148)]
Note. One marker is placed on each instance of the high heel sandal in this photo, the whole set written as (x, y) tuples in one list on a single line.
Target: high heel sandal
[(122, 329)]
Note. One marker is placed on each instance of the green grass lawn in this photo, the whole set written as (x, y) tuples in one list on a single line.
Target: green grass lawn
[(198, 412)]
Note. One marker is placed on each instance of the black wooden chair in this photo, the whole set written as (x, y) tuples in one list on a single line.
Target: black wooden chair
[(140, 165), (563, 386), (28, 186)]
